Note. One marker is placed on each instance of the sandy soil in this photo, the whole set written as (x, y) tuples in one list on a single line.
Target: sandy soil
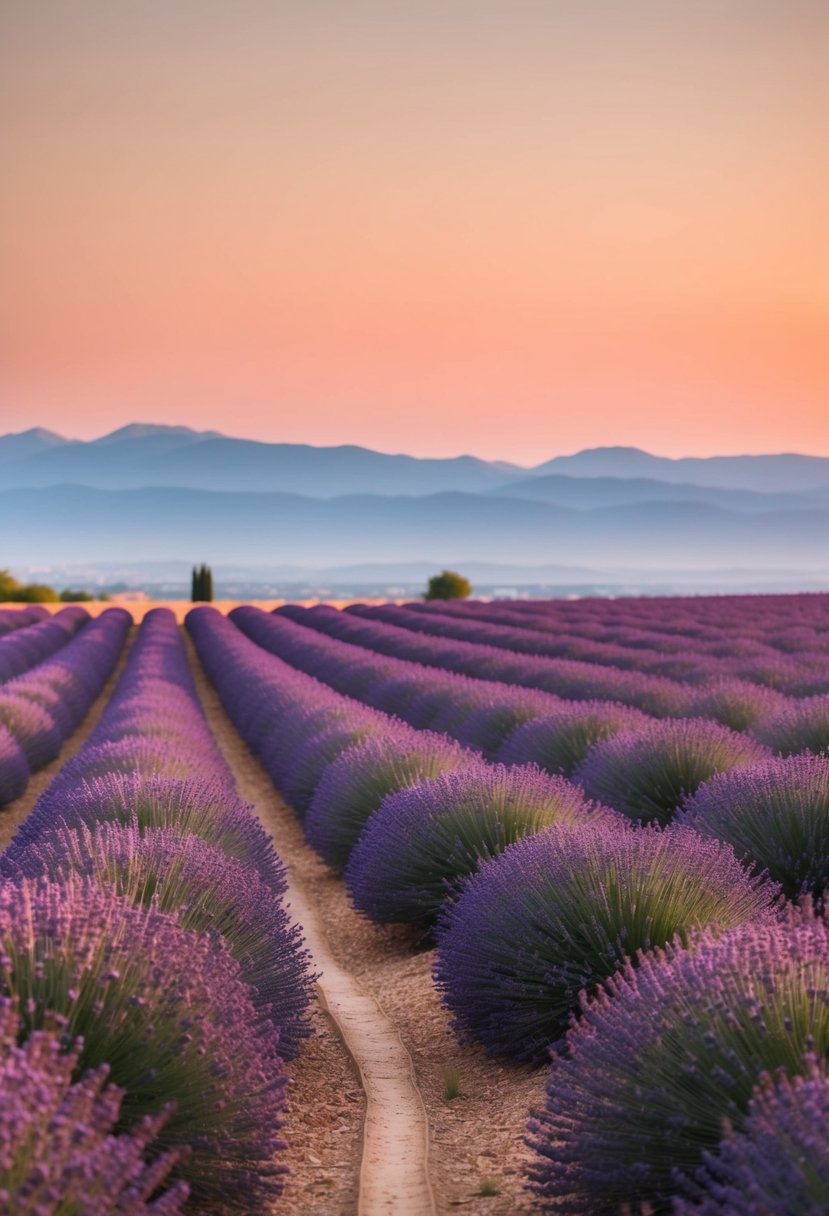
[(476, 1137)]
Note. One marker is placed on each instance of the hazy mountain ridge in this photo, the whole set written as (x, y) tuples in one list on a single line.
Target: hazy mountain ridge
[(156, 494), (69, 523), (143, 455)]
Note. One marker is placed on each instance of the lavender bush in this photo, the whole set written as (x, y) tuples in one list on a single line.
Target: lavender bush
[(778, 1165), (353, 787), (59, 1151), (775, 815), (32, 726), (671, 1049), (559, 911), (313, 757), (560, 740), (204, 889), (14, 768), (800, 726), (647, 773), (208, 809), (736, 703), (168, 1012), (424, 840)]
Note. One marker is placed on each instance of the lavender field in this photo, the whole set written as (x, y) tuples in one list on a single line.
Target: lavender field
[(576, 853)]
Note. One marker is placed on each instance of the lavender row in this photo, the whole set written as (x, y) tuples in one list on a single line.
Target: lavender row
[(508, 724), (566, 678), (786, 724), (785, 623), (173, 965), (732, 659), (42, 707), (19, 618), (26, 647)]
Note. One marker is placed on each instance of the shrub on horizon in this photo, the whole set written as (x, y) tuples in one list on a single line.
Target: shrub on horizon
[(560, 740), (425, 840), (448, 585), (59, 1152), (646, 774), (560, 911), (775, 815), (353, 787), (779, 1162), (666, 1052), (167, 1011)]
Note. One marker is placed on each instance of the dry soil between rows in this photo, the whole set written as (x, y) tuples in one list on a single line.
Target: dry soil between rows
[(476, 1139)]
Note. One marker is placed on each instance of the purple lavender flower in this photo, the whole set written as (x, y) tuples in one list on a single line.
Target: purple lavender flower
[(671, 1049), (559, 911), (778, 1165), (775, 815), (353, 787), (32, 726), (313, 757), (799, 726), (424, 840), (204, 808), (14, 768), (58, 1149), (204, 889), (736, 703), (167, 1010), (26, 647), (131, 755), (488, 727), (560, 740), (647, 773)]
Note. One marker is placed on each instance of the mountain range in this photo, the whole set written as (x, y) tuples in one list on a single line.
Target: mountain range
[(162, 494)]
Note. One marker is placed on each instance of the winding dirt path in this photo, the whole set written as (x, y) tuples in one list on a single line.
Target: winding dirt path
[(390, 1159)]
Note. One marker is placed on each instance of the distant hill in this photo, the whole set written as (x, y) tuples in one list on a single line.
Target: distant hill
[(74, 523), (154, 494), (785, 472), (146, 454), (20, 447), (589, 492)]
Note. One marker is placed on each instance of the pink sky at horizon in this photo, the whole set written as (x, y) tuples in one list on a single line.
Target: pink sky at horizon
[(506, 229)]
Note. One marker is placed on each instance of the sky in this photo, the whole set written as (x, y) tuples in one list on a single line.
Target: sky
[(512, 229)]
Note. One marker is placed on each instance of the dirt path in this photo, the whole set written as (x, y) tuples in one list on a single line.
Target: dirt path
[(13, 813), (475, 1149), (388, 1134)]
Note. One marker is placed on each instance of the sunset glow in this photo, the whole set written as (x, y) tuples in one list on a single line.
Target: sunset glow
[(458, 226)]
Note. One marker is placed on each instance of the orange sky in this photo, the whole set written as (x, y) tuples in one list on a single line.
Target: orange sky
[(513, 229)]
